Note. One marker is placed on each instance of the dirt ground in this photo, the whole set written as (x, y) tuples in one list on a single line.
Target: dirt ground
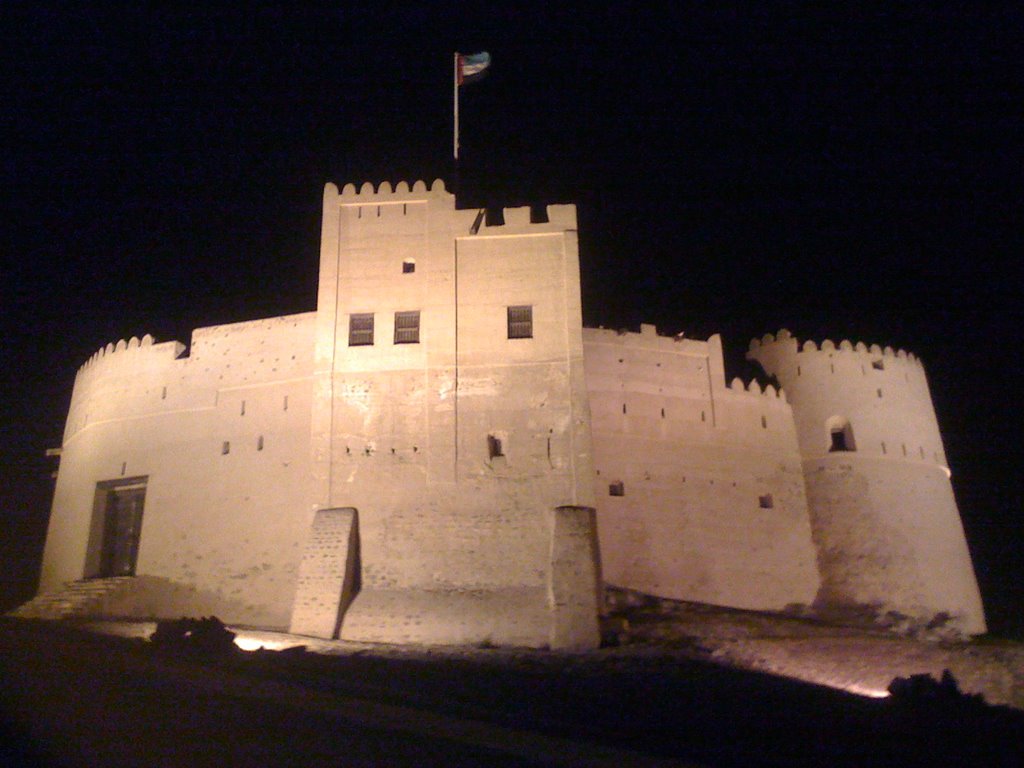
[(72, 697)]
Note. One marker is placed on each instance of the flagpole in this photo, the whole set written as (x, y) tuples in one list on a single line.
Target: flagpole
[(455, 106)]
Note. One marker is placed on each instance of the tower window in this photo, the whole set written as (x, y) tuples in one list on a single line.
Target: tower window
[(360, 330), (408, 266), (407, 327), (766, 501), (520, 322), (617, 489), (840, 435), (878, 365), (494, 447)]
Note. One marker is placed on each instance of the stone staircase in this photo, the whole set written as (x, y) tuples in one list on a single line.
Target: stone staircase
[(75, 599)]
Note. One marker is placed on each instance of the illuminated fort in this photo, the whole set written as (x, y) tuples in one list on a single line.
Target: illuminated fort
[(440, 452)]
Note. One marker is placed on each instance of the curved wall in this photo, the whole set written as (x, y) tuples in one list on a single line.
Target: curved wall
[(712, 506), (221, 440), (885, 521)]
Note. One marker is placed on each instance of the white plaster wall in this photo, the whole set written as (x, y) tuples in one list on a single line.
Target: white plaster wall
[(885, 520), (226, 528), (400, 430), (695, 457)]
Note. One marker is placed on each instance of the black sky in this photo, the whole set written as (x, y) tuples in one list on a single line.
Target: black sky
[(846, 174)]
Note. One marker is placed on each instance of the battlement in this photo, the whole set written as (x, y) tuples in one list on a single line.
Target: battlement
[(786, 339), (754, 388), (130, 345), (385, 192), (648, 337), (495, 221)]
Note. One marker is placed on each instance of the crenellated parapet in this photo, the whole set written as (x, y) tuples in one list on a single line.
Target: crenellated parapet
[(116, 376), (383, 201), (124, 350), (876, 396), (785, 341), (366, 193)]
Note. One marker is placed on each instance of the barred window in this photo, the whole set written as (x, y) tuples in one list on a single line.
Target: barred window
[(520, 322), (407, 327), (360, 330)]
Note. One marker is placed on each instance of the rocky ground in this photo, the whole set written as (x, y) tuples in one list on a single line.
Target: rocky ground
[(854, 658), (685, 686)]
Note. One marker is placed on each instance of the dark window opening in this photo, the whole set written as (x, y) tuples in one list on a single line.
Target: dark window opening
[(878, 365), (259, 443), (407, 327), (408, 267), (225, 448), (494, 217), (538, 214), (766, 501), (839, 442), (617, 489), (520, 322), (494, 447), (764, 423), (360, 330)]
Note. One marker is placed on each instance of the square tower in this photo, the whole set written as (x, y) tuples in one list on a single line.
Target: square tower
[(450, 411)]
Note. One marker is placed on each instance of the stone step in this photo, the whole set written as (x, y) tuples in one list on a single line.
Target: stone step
[(75, 598)]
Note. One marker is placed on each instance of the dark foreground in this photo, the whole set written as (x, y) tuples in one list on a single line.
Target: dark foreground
[(72, 698)]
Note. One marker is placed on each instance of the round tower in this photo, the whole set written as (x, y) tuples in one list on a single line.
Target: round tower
[(883, 516)]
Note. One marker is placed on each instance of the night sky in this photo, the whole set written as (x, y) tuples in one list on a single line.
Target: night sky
[(852, 174)]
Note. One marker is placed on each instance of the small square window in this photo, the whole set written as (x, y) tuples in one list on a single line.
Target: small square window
[(766, 501), (494, 447), (408, 267), (617, 489), (407, 327), (360, 330), (878, 365), (520, 322)]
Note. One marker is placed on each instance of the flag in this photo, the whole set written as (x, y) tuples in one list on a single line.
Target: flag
[(472, 66)]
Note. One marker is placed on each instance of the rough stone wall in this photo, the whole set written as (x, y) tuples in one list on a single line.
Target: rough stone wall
[(885, 520), (454, 535), (712, 506), (221, 439)]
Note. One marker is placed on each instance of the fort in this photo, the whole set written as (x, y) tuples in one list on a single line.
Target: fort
[(441, 453)]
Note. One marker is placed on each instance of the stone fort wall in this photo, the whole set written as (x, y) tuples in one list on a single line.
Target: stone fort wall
[(455, 447), (699, 487), (884, 517), (469, 457), (220, 440)]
